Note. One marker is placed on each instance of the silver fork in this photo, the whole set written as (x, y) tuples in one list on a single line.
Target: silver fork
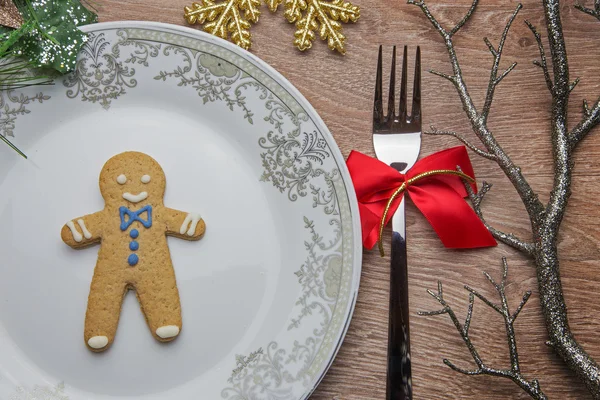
[(397, 142)]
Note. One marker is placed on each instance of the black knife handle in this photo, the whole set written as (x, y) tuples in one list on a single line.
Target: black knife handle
[(399, 378)]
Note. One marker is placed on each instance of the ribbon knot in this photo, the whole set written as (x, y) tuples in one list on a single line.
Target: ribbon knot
[(135, 216), (434, 185)]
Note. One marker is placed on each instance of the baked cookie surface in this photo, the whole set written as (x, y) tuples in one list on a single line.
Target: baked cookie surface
[(134, 255)]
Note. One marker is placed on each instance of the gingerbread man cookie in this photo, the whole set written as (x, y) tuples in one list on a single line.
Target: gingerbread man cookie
[(134, 255)]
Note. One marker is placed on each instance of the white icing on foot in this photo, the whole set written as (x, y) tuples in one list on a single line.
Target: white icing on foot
[(76, 235), (135, 198), (87, 234), (192, 219), (168, 331), (98, 342)]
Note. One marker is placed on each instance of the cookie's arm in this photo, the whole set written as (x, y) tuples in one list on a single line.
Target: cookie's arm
[(83, 231), (189, 226)]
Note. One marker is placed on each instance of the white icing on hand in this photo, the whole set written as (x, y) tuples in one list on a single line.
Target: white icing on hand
[(87, 234), (135, 198), (98, 342), (168, 331), (145, 178), (76, 235), (192, 220), (121, 179)]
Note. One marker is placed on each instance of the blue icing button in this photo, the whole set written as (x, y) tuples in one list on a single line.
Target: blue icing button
[(133, 245), (133, 259), (134, 233)]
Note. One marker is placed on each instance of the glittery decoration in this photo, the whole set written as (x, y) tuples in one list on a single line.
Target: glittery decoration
[(324, 15), (595, 12), (224, 18), (53, 39), (273, 4), (545, 218), (513, 373), (10, 15)]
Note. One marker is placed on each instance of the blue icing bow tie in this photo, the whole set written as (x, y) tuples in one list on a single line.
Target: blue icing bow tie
[(135, 216)]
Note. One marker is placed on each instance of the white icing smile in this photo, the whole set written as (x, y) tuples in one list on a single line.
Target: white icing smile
[(135, 198)]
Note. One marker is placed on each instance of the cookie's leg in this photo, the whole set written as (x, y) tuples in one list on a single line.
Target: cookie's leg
[(159, 300), (103, 310)]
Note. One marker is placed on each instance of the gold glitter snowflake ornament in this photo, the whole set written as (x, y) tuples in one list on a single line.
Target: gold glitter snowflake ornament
[(225, 18), (324, 15)]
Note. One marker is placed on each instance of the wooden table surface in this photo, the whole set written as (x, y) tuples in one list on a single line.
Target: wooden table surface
[(341, 88)]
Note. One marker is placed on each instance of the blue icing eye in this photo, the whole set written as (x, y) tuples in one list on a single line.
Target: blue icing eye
[(133, 259), (134, 233), (133, 246)]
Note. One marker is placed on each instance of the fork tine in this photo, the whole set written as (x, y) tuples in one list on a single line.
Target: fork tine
[(416, 105), (378, 102), (402, 114), (392, 94)]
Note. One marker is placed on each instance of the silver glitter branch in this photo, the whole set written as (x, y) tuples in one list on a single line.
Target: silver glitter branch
[(494, 78), (545, 219), (463, 140), (591, 118), (465, 18), (542, 63), (593, 12), (506, 238), (514, 372)]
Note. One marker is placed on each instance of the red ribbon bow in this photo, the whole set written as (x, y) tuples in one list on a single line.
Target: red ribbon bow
[(440, 197)]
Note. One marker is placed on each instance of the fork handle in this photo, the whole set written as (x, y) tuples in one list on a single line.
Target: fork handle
[(399, 378)]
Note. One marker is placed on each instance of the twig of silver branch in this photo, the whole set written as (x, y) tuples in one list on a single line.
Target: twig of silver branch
[(514, 372), (545, 219), (595, 12)]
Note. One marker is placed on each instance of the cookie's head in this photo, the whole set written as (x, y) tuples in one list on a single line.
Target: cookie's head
[(133, 177)]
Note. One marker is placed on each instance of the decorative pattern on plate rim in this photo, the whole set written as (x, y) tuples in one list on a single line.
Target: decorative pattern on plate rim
[(292, 162), (12, 105), (40, 393), (193, 43), (101, 76), (213, 78)]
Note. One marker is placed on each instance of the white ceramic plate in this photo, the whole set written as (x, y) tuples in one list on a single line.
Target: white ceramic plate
[(266, 295)]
